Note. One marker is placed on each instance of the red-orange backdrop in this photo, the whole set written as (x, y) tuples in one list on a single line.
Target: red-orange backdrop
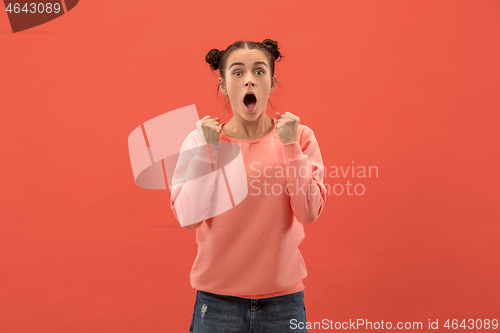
[(410, 87)]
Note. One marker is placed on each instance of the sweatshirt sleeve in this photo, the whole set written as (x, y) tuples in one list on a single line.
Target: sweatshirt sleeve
[(304, 173), (193, 182)]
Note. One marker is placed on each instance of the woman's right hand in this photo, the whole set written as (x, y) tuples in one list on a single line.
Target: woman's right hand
[(211, 129)]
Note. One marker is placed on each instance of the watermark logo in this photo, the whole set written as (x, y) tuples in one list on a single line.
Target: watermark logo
[(206, 180), (163, 156), (25, 15)]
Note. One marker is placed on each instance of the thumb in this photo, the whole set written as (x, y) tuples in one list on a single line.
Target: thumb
[(278, 115), (217, 118)]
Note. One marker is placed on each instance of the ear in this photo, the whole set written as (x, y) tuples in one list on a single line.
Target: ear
[(222, 86), (273, 83)]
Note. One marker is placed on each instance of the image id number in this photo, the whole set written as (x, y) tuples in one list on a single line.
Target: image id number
[(34, 8)]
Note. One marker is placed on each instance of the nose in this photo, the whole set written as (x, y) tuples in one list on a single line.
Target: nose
[(249, 81)]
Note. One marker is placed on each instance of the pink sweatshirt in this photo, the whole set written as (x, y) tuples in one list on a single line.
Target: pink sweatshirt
[(251, 250)]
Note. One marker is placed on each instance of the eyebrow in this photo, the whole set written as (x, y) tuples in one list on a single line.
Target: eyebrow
[(242, 64)]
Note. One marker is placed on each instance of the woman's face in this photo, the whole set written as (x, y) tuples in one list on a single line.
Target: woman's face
[(248, 71)]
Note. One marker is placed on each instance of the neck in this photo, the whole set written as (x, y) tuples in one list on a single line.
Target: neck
[(250, 130)]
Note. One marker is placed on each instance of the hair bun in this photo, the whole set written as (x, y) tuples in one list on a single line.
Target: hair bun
[(272, 46), (213, 58)]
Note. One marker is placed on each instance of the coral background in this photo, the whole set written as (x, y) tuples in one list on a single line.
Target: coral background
[(408, 86)]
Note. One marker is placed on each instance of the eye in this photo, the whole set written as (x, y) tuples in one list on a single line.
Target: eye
[(257, 71)]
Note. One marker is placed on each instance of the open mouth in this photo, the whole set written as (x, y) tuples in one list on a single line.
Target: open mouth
[(250, 101)]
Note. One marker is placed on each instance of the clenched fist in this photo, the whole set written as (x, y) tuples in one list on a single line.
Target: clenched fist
[(287, 127), (211, 129)]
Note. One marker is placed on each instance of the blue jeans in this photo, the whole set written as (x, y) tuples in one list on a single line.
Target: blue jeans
[(228, 314)]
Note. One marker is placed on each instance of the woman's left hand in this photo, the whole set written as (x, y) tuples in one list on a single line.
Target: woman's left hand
[(287, 127)]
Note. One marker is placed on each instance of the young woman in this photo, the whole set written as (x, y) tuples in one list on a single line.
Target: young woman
[(248, 272)]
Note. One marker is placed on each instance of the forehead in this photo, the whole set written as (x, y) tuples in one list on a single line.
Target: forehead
[(248, 57)]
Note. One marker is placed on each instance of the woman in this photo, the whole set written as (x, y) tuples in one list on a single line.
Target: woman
[(248, 272)]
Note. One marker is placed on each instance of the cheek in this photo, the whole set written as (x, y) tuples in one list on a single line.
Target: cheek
[(267, 83), (231, 85)]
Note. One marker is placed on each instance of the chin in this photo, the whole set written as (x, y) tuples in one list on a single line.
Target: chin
[(253, 116)]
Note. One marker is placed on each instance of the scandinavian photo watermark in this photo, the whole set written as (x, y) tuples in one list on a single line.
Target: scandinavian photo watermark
[(327, 324), (265, 180)]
